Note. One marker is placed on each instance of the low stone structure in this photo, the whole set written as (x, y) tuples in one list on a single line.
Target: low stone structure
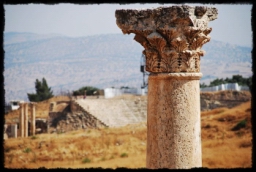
[(172, 38), (116, 112), (70, 117)]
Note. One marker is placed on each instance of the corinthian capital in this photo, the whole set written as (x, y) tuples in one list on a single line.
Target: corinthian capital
[(172, 36)]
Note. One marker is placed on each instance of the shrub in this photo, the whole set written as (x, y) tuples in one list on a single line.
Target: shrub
[(7, 149), (34, 137), (86, 160), (103, 159), (88, 89), (27, 150), (60, 132), (239, 125), (124, 155), (245, 144)]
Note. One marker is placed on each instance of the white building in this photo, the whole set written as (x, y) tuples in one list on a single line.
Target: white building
[(228, 86), (112, 92), (15, 104)]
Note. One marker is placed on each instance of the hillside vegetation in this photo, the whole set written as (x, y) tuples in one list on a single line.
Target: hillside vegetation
[(101, 61)]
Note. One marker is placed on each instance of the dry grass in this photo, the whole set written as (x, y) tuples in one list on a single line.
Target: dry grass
[(126, 146), (101, 147), (222, 147)]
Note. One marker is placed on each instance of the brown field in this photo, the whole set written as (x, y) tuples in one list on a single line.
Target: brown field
[(126, 146)]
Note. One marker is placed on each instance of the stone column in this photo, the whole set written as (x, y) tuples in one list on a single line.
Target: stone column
[(172, 38), (33, 119), (21, 127), (14, 130), (26, 120), (5, 133)]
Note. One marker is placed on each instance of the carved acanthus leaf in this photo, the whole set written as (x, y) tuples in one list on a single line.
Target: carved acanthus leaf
[(191, 33), (152, 59), (179, 65), (188, 57), (179, 44), (168, 57), (201, 53), (142, 40), (172, 36), (207, 31), (156, 40), (198, 42), (169, 34)]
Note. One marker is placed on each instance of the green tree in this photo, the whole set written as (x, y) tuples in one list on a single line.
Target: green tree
[(216, 82), (43, 92), (240, 80), (203, 85), (88, 89)]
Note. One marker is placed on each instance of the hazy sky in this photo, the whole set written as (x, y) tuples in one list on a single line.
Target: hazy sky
[(233, 24)]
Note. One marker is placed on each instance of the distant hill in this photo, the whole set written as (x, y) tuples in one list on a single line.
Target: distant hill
[(17, 37), (100, 60)]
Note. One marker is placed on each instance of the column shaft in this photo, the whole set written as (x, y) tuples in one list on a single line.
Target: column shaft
[(26, 121), (21, 127), (14, 130), (33, 120), (173, 121)]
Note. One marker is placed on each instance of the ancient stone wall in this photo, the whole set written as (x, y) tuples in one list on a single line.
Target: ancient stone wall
[(75, 119)]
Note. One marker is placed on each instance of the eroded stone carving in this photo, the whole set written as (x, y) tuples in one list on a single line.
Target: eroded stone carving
[(173, 121), (172, 36)]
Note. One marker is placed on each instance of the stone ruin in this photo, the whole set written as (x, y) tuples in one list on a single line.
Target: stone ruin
[(172, 38), (69, 116), (63, 116), (26, 126)]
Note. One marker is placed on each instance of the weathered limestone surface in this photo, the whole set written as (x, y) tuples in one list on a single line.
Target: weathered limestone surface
[(5, 132), (21, 124), (33, 119), (174, 135), (172, 38), (26, 120), (14, 130)]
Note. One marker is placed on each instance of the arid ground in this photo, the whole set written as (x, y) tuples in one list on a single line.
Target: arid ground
[(226, 143)]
